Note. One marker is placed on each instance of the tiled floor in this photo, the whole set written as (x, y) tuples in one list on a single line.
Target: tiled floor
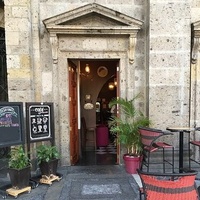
[(102, 156)]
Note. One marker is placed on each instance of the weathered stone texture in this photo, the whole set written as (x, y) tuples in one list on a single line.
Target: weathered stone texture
[(195, 14), (20, 12), (162, 54), (169, 69), (91, 43), (16, 2), (169, 43), (195, 3), (13, 38), (46, 83)]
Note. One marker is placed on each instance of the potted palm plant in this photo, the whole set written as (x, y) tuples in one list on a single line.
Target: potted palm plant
[(47, 157), (19, 167), (126, 127)]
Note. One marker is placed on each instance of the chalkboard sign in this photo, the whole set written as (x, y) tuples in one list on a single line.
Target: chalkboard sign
[(40, 124), (11, 124)]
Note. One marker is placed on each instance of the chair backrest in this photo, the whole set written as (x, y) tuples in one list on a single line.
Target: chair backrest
[(170, 186), (149, 135)]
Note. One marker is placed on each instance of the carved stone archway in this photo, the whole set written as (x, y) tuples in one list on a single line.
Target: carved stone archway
[(88, 32)]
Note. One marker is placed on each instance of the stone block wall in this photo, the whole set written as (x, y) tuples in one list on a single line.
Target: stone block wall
[(161, 69), (169, 63)]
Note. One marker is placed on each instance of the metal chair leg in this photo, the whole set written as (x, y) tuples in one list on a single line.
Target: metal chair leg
[(189, 154), (172, 159), (163, 160)]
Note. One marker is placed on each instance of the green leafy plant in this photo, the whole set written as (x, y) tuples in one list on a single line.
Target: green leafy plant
[(126, 126), (45, 153), (18, 159)]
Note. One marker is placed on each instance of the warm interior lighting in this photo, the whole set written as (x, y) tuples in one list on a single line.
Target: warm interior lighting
[(111, 86), (115, 82), (87, 68)]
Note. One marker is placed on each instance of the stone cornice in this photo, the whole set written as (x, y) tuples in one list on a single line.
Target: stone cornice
[(85, 21), (119, 30), (112, 15)]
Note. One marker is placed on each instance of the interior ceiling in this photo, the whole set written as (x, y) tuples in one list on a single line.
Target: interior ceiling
[(95, 64), (111, 65)]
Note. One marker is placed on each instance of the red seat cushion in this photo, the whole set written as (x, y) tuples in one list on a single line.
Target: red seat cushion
[(181, 188)]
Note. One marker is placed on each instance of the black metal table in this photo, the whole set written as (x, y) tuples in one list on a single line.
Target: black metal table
[(181, 131)]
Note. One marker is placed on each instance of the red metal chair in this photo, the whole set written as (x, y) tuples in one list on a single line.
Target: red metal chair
[(170, 186), (196, 143), (150, 145)]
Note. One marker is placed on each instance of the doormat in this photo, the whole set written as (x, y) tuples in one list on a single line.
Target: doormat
[(101, 187), (110, 149)]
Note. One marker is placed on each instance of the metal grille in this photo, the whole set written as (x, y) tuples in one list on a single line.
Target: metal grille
[(3, 68)]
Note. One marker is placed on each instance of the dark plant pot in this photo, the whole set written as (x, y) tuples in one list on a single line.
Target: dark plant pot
[(132, 164), (48, 168), (19, 178)]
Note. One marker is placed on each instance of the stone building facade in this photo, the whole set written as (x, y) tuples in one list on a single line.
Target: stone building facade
[(155, 44)]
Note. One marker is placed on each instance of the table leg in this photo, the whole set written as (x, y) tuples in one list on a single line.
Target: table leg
[(181, 152)]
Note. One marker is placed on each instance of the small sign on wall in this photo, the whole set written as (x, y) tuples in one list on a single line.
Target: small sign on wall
[(40, 125)]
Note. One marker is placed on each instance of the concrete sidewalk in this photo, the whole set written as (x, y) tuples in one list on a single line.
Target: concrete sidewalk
[(98, 182)]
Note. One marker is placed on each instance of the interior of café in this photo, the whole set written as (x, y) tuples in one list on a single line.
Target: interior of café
[(98, 85)]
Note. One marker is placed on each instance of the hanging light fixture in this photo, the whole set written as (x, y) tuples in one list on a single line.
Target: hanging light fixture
[(111, 86), (87, 68), (115, 82)]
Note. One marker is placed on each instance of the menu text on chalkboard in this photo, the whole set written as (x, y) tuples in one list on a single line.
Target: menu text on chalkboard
[(40, 125), (11, 124)]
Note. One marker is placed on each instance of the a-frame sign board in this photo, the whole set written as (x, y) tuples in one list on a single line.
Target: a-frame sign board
[(40, 125), (39, 122), (11, 129)]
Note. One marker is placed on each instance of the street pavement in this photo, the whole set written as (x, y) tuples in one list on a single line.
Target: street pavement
[(97, 182)]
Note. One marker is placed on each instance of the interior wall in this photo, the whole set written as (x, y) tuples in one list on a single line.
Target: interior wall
[(91, 84)]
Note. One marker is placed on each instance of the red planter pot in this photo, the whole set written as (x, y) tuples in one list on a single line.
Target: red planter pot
[(132, 163)]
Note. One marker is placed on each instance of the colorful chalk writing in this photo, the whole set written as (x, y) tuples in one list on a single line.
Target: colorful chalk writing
[(11, 123), (7, 114)]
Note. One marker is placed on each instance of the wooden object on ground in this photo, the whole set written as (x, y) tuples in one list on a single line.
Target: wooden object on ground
[(49, 179), (15, 192)]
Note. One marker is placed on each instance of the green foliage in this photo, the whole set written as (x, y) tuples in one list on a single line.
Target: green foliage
[(18, 159), (45, 153), (126, 126)]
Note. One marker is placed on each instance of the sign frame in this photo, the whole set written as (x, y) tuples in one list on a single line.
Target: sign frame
[(39, 121)]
